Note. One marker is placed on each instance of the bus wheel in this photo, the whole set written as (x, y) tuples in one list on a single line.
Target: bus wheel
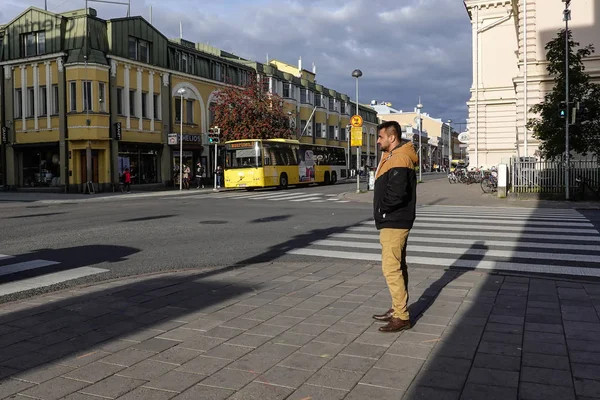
[(283, 181), (326, 179), (250, 189), (333, 178)]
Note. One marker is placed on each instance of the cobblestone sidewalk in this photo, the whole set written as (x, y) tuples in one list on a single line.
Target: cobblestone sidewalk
[(304, 331)]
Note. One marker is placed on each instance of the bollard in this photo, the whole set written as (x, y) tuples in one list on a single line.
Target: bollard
[(502, 180)]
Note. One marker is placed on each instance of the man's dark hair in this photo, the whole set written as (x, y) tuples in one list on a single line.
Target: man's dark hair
[(391, 127)]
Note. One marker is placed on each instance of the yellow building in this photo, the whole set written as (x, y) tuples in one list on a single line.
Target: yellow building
[(82, 108)]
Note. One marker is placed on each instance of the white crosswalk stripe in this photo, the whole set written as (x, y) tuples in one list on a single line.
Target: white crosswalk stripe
[(44, 278), (291, 195), (547, 241)]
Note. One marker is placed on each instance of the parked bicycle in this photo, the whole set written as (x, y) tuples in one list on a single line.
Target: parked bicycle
[(489, 184)]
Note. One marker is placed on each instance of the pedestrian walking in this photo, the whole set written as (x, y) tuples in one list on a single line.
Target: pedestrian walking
[(394, 206), (199, 173), (127, 180)]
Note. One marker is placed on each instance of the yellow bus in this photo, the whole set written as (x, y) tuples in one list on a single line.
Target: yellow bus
[(259, 163)]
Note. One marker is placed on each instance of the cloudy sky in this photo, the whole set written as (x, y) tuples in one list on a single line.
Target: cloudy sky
[(405, 48)]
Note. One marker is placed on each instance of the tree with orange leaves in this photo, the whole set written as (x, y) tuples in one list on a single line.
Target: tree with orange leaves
[(251, 112)]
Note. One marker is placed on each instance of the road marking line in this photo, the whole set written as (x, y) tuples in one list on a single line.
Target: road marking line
[(307, 199), (470, 242), (5, 257), (473, 252), (586, 238), (48, 279), (448, 262), (459, 222), (25, 266), (442, 225)]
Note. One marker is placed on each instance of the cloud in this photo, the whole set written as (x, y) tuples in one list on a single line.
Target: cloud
[(405, 49)]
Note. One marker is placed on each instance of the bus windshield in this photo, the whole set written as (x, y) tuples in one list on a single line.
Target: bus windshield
[(243, 155)]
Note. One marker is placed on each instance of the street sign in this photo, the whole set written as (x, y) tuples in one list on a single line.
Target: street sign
[(356, 121), (118, 131), (356, 136), (172, 137)]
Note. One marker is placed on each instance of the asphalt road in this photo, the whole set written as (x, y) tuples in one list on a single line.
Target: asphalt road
[(154, 234)]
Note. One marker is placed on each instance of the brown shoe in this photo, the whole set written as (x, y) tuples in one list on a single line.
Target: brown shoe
[(386, 316), (395, 325)]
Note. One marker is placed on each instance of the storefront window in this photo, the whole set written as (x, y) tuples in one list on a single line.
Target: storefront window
[(142, 161), (41, 166)]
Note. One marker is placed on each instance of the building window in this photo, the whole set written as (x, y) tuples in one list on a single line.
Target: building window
[(318, 100), (144, 105), (343, 107), (102, 96), (331, 104), (132, 103), (43, 107), (243, 78), (87, 96), (139, 50), (30, 102), (177, 109), (157, 106), (184, 62), (189, 112), (144, 51), (217, 72), (120, 101), (286, 90), (331, 132), (55, 100), (318, 132), (72, 96), (34, 43), (18, 103), (303, 96)]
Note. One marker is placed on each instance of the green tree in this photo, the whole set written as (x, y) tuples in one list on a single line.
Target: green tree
[(549, 127), (250, 112)]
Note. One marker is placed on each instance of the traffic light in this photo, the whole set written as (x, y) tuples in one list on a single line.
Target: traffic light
[(213, 135), (562, 109)]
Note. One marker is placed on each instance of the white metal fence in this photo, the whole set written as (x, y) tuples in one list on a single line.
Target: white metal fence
[(531, 176)]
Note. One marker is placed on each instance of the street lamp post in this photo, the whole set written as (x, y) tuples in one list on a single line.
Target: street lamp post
[(357, 73), (566, 18), (419, 107), (181, 92), (449, 144)]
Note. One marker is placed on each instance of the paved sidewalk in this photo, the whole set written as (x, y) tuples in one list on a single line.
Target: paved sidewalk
[(441, 192), (304, 331)]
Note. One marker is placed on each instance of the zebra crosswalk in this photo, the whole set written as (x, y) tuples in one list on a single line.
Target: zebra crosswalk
[(551, 241), (43, 271), (275, 195)]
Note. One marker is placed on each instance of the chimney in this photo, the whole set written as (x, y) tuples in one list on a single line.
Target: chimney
[(180, 30), (299, 64), (314, 68)]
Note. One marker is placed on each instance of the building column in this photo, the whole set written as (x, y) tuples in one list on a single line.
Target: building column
[(114, 144), (151, 99), (36, 95), (49, 95), (126, 100), (138, 97), (23, 96)]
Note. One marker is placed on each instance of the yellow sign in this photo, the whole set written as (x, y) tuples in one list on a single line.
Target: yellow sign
[(356, 121), (356, 136)]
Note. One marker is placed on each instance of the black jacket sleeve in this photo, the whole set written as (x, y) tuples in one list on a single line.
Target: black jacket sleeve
[(395, 191)]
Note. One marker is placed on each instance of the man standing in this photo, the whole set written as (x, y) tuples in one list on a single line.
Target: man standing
[(199, 173), (394, 203)]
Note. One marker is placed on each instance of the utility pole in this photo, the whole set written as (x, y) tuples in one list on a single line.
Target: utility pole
[(566, 18)]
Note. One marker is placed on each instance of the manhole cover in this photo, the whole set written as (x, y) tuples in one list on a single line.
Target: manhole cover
[(213, 222)]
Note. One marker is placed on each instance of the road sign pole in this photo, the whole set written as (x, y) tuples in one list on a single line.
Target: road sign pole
[(357, 169), (216, 160)]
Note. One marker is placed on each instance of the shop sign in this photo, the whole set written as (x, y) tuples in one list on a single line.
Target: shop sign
[(4, 135), (172, 139), (192, 138)]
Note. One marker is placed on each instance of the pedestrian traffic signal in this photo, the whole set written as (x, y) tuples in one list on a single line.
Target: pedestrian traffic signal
[(562, 109)]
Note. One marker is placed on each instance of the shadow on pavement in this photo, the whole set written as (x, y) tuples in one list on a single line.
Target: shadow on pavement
[(35, 215), (149, 218), (61, 260)]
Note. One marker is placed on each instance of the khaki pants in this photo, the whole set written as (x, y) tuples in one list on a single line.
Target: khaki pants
[(393, 264)]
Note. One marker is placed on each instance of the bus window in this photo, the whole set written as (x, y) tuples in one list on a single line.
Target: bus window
[(244, 158)]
